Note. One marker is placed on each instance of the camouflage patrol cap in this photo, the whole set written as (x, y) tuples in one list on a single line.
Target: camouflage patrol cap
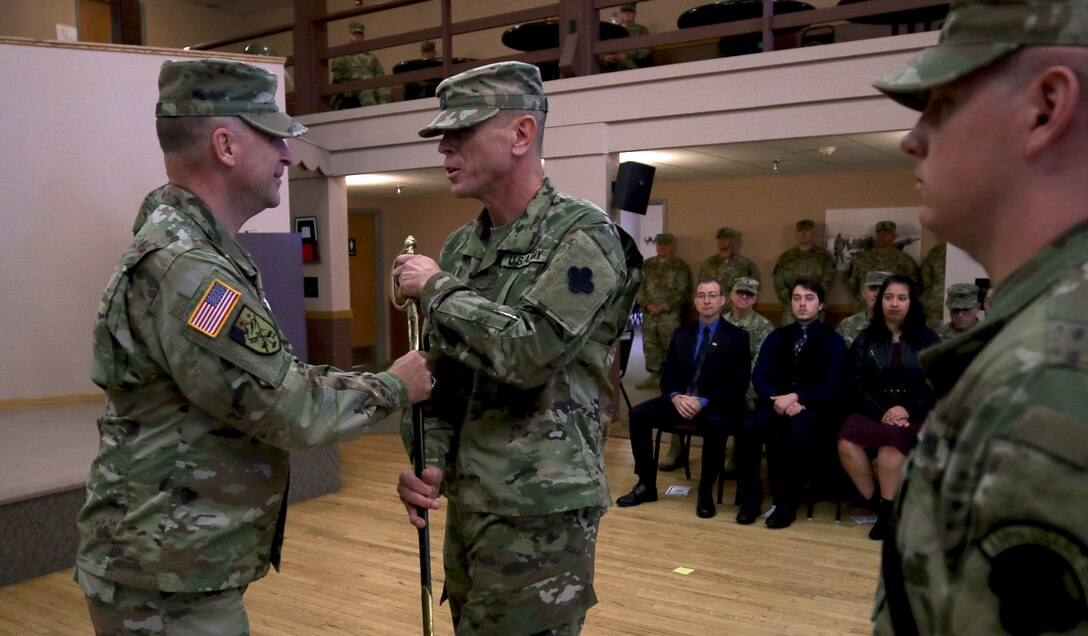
[(663, 239), (976, 34), (962, 296), (876, 278), (356, 27), (885, 226), (478, 94), (726, 231), (223, 88), (805, 224), (428, 45), (630, 6), (746, 284)]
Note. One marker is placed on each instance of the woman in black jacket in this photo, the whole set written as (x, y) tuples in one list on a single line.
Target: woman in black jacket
[(891, 395)]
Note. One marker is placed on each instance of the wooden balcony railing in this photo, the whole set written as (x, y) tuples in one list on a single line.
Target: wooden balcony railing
[(576, 54)]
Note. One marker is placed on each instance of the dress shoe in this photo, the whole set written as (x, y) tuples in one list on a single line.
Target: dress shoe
[(782, 517), (668, 465), (652, 382), (640, 494), (748, 514), (704, 507)]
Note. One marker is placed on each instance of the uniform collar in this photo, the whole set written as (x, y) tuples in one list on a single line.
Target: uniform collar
[(189, 205)]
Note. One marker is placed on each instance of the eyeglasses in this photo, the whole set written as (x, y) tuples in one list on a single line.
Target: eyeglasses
[(746, 294), (707, 296)]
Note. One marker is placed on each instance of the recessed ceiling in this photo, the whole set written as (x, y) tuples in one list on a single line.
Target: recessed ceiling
[(806, 155)]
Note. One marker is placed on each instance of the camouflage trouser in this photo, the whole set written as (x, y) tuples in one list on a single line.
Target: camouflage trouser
[(656, 332), (120, 609), (514, 576)]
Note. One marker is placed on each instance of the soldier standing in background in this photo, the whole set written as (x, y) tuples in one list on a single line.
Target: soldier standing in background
[(933, 285), (854, 324), (745, 292), (727, 266), (358, 66), (524, 308), (963, 308), (187, 497), (883, 256), (666, 286), (991, 531), (805, 260)]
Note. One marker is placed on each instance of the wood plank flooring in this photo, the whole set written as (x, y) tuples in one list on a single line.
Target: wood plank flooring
[(350, 566)]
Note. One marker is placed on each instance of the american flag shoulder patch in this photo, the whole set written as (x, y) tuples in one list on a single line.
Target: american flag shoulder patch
[(211, 313)]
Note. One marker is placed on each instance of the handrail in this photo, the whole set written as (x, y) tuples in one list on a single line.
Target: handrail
[(312, 18)]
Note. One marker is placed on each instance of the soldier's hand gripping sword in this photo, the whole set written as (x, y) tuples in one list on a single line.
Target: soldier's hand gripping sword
[(415, 342)]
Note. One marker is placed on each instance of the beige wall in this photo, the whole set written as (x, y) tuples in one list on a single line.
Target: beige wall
[(80, 156), (36, 18)]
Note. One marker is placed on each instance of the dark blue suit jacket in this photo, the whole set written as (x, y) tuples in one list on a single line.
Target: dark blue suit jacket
[(726, 372)]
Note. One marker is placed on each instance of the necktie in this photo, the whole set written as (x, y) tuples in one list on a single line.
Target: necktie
[(700, 360), (800, 344)]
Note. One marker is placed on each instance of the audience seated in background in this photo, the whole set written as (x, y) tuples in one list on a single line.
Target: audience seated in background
[(798, 379), (626, 60), (854, 324), (890, 395), (703, 381), (963, 307)]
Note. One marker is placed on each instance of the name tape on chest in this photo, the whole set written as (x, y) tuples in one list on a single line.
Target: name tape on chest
[(521, 260), (211, 313)]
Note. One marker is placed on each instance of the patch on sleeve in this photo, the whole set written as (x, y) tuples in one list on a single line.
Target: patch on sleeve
[(1040, 574), (214, 308), (573, 299), (253, 332), (581, 279)]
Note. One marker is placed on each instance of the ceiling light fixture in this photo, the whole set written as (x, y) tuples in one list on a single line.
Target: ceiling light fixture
[(398, 188), (775, 165), (827, 151)]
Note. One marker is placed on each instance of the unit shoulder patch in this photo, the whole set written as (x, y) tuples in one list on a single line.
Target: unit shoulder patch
[(255, 333)]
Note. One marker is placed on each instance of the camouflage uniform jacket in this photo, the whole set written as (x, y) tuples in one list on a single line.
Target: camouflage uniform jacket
[(665, 283), (758, 329), (991, 522), (191, 472), (894, 260), (816, 264), (933, 268), (727, 270), (360, 66), (946, 331), (635, 58), (524, 327), (852, 325)]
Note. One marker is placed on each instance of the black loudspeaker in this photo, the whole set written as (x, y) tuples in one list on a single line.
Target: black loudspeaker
[(631, 189)]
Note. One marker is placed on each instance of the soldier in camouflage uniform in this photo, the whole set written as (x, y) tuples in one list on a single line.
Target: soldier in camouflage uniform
[(992, 531), (727, 266), (666, 286), (523, 310), (745, 292), (186, 498), (963, 308), (626, 60), (883, 256), (854, 324), (933, 285), (355, 67), (805, 260)]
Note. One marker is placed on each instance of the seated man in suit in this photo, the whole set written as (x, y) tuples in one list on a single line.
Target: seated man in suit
[(703, 380), (798, 379)]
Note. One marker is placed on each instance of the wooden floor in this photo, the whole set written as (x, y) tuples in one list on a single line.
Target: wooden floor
[(350, 566)]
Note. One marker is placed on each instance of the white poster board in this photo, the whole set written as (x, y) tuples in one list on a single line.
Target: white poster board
[(851, 230)]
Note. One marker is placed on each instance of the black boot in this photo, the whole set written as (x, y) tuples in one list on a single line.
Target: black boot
[(883, 518)]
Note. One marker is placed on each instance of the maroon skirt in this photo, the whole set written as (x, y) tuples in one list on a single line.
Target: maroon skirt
[(867, 432)]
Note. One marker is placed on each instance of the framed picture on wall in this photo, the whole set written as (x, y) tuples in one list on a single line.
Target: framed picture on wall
[(850, 231), (307, 227)]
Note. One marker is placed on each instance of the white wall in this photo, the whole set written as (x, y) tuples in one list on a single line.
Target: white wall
[(79, 156)]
